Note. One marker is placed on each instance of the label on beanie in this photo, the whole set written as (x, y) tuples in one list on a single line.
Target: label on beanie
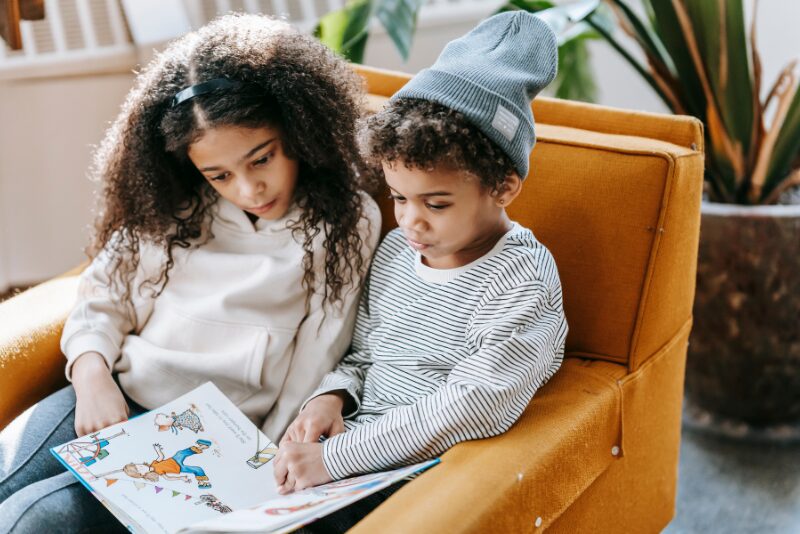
[(505, 122)]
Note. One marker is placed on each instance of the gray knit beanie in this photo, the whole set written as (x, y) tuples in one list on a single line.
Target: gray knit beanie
[(491, 75)]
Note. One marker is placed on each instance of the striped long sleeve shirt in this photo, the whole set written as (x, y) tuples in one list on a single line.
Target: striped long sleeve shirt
[(444, 356)]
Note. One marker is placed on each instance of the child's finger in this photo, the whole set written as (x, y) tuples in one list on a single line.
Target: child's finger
[(279, 469), (312, 435), (288, 486), (336, 428), (287, 438)]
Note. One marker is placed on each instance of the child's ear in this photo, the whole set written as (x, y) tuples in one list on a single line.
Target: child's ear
[(505, 194)]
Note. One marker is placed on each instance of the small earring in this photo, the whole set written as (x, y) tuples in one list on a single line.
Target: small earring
[(501, 201)]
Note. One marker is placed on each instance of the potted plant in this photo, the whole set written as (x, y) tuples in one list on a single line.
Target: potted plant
[(743, 368)]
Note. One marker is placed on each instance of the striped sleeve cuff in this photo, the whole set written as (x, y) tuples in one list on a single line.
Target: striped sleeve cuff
[(333, 459), (346, 455), (87, 341), (337, 382)]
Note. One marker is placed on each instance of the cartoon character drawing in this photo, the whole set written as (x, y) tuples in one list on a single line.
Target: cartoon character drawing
[(90, 452), (212, 502), (171, 468), (174, 422)]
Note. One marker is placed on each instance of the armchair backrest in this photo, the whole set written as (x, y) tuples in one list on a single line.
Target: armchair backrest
[(615, 195)]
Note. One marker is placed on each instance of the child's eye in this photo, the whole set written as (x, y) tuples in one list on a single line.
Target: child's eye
[(220, 177), (262, 161), (398, 198), (437, 207)]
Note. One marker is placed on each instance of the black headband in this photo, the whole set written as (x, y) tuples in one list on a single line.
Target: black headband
[(201, 89)]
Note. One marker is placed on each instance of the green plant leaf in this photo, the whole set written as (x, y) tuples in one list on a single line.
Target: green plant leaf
[(562, 17), (668, 29), (727, 62), (399, 17), (787, 147), (345, 31), (527, 5), (575, 79), (600, 21), (644, 34)]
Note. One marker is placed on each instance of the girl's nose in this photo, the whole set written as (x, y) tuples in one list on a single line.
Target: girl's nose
[(252, 187)]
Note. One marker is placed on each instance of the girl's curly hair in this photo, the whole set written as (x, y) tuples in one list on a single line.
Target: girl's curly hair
[(423, 134), (289, 81)]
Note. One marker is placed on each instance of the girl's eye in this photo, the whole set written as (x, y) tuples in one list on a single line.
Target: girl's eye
[(398, 198), (437, 207), (220, 177), (262, 161)]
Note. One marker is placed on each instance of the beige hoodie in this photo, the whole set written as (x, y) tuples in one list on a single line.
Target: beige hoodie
[(233, 313)]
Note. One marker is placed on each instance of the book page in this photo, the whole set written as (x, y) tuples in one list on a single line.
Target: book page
[(289, 512), (193, 459)]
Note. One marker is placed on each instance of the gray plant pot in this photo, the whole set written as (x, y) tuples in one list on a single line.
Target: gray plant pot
[(744, 351)]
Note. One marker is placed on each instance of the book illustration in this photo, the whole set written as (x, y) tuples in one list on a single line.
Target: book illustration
[(89, 451), (262, 456), (172, 468), (155, 472), (215, 504), (188, 419)]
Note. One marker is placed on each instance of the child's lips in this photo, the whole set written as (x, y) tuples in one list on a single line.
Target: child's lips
[(264, 207), (417, 245)]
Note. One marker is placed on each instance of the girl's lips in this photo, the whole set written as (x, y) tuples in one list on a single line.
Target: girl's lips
[(263, 208)]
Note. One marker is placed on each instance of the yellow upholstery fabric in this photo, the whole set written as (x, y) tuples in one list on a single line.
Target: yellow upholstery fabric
[(31, 363), (560, 445), (615, 195)]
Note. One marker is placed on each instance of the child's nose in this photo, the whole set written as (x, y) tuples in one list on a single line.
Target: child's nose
[(251, 187), (412, 218)]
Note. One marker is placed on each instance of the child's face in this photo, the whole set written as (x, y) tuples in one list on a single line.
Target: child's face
[(248, 167), (450, 218)]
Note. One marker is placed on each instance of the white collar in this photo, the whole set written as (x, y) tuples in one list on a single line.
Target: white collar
[(442, 276)]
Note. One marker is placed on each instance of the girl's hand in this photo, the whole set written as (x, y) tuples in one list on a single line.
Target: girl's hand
[(321, 416), (299, 466), (99, 400)]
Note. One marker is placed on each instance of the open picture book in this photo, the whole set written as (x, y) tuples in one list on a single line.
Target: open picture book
[(198, 464)]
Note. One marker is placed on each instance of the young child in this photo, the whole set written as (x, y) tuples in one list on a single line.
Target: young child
[(461, 320), (231, 246)]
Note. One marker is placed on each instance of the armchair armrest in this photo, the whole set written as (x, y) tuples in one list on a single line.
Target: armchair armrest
[(526, 477), (31, 363)]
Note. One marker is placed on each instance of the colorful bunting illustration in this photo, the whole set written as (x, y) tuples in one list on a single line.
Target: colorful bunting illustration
[(175, 493), (111, 481), (159, 489)]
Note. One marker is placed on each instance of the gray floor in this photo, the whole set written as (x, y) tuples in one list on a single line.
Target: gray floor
[(736, 487)]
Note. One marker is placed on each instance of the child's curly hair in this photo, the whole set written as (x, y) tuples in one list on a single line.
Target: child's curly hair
[(289, 81), (425, 135)]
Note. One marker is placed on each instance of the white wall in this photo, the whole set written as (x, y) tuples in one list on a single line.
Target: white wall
[(47, 128)]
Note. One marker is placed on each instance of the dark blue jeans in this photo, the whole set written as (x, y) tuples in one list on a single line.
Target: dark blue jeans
[(36, 493)]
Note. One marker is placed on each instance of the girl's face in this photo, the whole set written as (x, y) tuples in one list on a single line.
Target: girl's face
[(248, 167), (450, 219)]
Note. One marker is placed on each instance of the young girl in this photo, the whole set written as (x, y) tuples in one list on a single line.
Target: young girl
[(230, 246)]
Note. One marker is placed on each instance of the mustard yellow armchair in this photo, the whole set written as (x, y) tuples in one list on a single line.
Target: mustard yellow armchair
[(615, 195)]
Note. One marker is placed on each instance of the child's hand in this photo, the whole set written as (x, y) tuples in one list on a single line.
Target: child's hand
[(299, 466), (99, 401), (321, 416)]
